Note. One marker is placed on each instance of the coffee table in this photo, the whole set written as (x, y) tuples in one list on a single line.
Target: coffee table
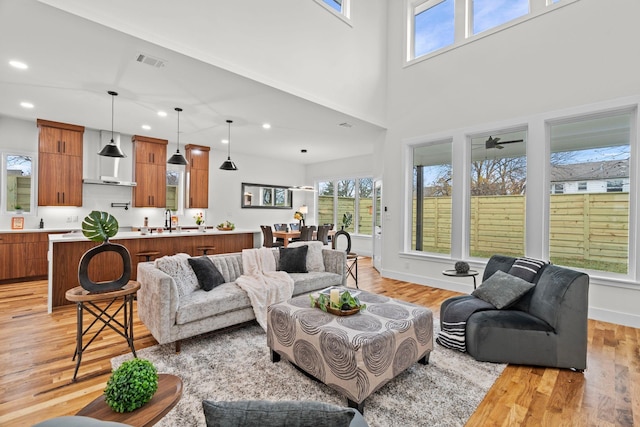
[(167, 396), (355, 355)]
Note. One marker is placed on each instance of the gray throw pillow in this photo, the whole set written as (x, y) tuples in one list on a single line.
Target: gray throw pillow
[(208, 275), (502, 289), (262, 413), (294, 260), (526, 268)]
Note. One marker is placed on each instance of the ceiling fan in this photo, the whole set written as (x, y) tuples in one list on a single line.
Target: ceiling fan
[(493, 143)]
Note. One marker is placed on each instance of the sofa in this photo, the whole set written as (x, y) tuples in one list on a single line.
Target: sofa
[(172, 313), (546, 326)]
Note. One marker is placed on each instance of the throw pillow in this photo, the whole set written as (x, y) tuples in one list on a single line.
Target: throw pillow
[(178, 268), (266, 413), (315, 261), (502, 289), (208, 275), (526, 268), (294, 260)]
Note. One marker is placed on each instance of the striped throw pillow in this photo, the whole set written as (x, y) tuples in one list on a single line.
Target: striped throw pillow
[(526, 268)]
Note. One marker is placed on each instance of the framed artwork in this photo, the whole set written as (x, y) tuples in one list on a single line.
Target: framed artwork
[(17, 223)]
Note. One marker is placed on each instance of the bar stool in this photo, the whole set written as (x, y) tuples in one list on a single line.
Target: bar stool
[(204, 249), (352, 266), (148, 254)]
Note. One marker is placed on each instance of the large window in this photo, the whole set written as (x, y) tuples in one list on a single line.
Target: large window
[(489, 14), (431, 198), (590, 228), (433, 24), (18, 194), (347, 203), (498, 182), (339, 7)]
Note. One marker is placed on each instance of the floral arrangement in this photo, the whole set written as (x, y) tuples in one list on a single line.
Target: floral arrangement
[(226, 225), (299, 216), (199, 218)]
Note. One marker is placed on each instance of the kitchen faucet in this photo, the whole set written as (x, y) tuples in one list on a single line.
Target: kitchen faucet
[(167, 219)]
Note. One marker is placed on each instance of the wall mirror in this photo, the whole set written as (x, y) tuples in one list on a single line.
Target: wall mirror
[(266, 196), (18, 183)]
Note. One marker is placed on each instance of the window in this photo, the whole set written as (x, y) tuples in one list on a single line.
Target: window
[(557, 189), (582, 186), (334, 4), (591, 229), (497, 205), (433, 23), (347, 202), (489, 14), (340, 8), (431, 201), (18, 184)]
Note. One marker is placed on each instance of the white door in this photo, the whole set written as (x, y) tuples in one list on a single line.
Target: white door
[(377, 225)]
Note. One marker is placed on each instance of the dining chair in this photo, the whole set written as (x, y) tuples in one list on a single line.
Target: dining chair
[(280, 227), (267, 235), (306, 232), (294, 226), (323, 234)]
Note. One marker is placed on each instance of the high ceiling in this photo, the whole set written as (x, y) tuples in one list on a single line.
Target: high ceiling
[(74, 62)]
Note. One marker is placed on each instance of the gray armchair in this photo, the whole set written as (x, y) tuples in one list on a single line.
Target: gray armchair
[(546, 327)]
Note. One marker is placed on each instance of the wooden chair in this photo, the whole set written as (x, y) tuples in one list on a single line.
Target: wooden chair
[(267, 235), (323, 234), (306, 232), (281, 227)]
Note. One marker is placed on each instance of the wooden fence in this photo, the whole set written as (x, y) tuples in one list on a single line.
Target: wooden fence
[(347, 204), (586, 230)]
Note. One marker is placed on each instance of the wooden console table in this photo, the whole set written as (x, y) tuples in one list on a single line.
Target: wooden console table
[(167, 396), (86, 302)]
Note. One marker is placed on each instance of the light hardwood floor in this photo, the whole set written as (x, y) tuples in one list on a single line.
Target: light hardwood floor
[(36, 351)]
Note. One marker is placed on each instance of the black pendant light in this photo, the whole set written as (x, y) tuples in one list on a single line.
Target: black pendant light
[(228, 165), (178, 159), (111, 149)]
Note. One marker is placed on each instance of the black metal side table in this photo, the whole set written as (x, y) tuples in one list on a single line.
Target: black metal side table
[(86, 302), (470, 273)]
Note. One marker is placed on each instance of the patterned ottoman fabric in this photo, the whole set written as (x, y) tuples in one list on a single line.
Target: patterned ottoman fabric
[(355, 355)]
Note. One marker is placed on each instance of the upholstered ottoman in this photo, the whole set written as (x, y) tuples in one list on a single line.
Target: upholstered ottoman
[(357, 354)]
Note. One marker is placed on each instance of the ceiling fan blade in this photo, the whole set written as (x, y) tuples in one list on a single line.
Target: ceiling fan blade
[(494, 143)]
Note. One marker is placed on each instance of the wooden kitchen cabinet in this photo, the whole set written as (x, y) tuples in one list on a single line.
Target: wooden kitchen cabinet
[(24, 256), (198, 176), (59, 164), (149, 171)]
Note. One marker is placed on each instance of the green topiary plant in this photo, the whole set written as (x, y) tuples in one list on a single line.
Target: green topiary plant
[(131, 385)]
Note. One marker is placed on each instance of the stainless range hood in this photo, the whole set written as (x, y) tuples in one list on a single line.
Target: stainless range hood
[(109, 165)]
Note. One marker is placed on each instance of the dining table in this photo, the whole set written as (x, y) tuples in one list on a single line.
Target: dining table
[(294, 234)]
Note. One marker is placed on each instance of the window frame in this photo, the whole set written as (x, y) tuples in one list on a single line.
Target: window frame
[(337, 221), (33, 206), (344, 15)]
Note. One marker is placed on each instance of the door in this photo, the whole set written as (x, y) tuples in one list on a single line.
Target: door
[(377, 225)]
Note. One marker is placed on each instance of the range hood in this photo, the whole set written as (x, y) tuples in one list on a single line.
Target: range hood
[(110, 165)]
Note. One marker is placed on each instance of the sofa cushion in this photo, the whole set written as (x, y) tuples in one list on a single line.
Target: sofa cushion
[(276, 413), (229, 265), (312, 281), (526, 268), (179, 269), (502, 289), (294, 260), (315, 262), (208, 275), (201, 305)]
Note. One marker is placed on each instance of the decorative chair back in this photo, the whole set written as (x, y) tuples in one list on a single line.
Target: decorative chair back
[(294, 226), (280, 227), (323, 234), (335, 239), (267, 235), (306, 232)]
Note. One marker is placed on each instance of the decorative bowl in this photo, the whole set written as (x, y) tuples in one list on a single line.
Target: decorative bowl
[(225, 228), (338, 312)]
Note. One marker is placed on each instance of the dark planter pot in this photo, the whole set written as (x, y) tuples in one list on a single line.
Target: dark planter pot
[(94, 287)]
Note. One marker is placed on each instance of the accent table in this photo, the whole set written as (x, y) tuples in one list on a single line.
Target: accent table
[(470, 273), (167, 396), (86, 302)]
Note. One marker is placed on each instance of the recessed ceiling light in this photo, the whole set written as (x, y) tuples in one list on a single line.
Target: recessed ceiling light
[(224, 141), (19, 65), (26, 105), (162, 113), (266, 126), (304, 150), (146, 127)]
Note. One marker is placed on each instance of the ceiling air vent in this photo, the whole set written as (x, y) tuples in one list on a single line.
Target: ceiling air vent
[(150, 60)]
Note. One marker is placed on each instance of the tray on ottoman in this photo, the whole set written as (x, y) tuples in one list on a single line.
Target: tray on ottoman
[(355, 355)]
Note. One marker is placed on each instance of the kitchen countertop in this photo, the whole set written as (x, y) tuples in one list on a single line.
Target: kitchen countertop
[(41, 230), (78, 236)]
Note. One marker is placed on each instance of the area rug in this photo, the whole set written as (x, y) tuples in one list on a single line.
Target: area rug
[(236, 365)]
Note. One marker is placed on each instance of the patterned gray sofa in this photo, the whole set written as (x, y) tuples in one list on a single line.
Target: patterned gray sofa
[(171, 315)]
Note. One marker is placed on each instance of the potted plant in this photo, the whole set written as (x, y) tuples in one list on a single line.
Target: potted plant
[(131, 386), (18, 209), (99, 227), (347, 219)]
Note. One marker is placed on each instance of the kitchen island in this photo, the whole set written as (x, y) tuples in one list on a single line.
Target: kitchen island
[(66, 250)]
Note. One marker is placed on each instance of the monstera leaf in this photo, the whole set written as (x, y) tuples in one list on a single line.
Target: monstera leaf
[(99, 226)]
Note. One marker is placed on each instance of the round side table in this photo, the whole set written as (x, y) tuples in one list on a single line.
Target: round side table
[(470, 273)]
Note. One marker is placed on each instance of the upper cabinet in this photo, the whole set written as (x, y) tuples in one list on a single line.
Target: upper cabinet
[(149, 171), (197, 176), (60, 164)]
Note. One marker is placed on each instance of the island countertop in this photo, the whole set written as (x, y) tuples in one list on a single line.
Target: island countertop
[(77, 236)]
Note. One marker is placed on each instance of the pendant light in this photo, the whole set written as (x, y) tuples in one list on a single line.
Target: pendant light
[(111, 149), (178, 159), (228, 165)]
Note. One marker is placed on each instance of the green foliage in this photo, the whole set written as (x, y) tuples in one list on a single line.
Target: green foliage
[(99, 226), (346, 299), (131, 385), (347, 219)]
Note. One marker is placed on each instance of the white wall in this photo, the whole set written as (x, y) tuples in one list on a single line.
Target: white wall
[(224, 187), (580, 54), (276, 43)]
